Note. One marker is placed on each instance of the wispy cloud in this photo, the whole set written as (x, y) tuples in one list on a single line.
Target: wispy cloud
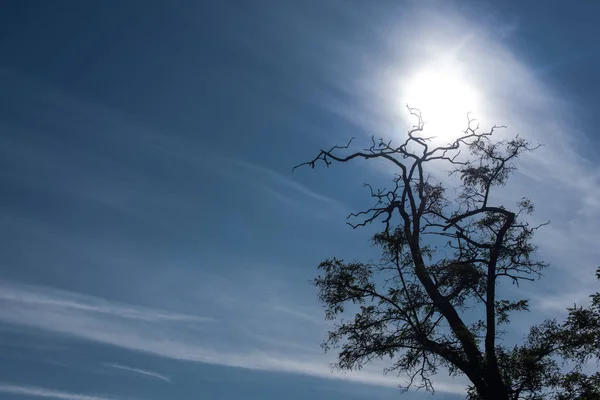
[(33, 391), (298, 314), (563, 183), (139, 371), (50, 298), (557, 303), (171, 339), (283, 187), (284, 180)]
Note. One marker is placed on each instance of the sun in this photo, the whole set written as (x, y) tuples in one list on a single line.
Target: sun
[(445, 97)]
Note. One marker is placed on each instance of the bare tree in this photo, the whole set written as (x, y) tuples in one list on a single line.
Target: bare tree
[(432, 300)]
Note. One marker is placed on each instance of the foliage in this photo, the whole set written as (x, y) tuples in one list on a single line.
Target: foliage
[(431, 300)]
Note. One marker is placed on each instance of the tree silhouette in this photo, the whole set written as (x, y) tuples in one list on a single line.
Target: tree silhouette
[(431, 300)]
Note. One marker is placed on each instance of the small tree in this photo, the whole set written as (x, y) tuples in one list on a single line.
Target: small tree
[(431, 300)]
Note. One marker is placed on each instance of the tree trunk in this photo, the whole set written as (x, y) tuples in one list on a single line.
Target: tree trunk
[(496, 389)]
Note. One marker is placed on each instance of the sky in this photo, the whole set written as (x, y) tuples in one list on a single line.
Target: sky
[(154, 241)]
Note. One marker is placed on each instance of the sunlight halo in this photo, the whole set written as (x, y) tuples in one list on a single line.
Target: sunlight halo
[(445, 96)]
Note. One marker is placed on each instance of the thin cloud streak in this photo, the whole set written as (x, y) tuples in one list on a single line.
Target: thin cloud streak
[(286, 190), (139, 371), (298, 314), (169, 339), (286, 181), (34, 391), (32, 296)]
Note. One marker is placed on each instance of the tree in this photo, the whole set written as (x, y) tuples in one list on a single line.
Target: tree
[(431, 301), (578, 339)]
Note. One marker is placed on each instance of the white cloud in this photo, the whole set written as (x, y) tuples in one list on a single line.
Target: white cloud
[(51, 298), (139, 371), (169, 338), (34, 391), (562, 182)]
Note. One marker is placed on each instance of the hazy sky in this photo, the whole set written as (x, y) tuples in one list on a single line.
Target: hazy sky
[(154, 242)]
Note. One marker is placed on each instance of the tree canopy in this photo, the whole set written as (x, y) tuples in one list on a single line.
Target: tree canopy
[(431, 300)]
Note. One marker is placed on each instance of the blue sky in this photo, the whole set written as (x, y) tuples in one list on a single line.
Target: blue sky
[(154, 241)]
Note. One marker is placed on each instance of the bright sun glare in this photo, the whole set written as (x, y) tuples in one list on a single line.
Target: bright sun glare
[(444, 97)]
